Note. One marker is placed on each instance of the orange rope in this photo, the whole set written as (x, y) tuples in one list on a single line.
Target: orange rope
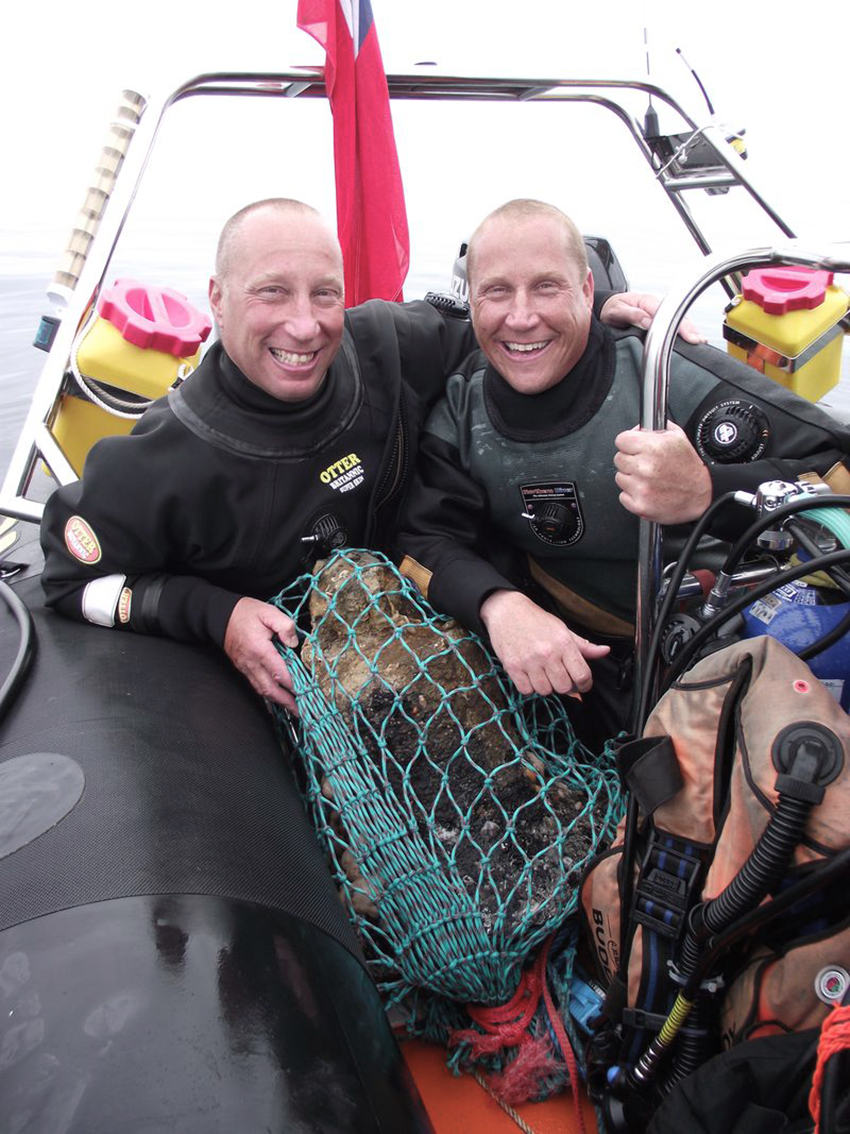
[(834, 1037)]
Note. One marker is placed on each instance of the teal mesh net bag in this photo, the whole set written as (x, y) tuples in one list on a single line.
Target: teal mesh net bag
[(456, 815)]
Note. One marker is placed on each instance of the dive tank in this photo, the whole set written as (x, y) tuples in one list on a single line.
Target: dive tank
[(798, 614)]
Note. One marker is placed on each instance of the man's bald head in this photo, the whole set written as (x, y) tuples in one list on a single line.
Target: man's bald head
[(278, 296), (523, 209), (230, 232)]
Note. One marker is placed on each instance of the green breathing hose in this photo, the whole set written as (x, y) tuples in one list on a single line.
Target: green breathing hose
[(835, 519)]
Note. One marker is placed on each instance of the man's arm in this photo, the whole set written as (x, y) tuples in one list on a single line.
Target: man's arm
[(637, 309), (118, 554), (248, 642), (445, 524), (661, 476), (672, 475), (538, 650), (445, 531)]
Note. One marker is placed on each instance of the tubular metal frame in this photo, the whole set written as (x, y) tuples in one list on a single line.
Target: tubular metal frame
[(657, 353), (36, 442)]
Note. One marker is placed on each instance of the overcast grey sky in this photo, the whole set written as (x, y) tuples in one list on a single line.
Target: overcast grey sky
[(781, 76)]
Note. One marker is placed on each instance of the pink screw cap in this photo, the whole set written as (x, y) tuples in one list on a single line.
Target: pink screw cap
[(154, 318)]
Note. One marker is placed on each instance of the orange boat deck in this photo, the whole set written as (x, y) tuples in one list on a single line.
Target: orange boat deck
[(460, 1105)]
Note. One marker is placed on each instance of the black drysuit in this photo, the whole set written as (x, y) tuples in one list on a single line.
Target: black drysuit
[(534, 474), (222, 491)]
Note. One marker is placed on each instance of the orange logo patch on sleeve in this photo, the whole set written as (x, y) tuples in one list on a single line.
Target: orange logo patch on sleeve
[(81, 541), (125, 601)]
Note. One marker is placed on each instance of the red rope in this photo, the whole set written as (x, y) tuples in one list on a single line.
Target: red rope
[(834, 1037), (506, 1025)]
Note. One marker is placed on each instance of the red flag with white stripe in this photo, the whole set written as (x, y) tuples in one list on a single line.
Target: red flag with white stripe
[(371, 217)]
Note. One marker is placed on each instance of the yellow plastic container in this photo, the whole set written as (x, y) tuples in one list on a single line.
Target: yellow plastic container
[(142, 341), (104, 354), (79, 423), (786, 326)]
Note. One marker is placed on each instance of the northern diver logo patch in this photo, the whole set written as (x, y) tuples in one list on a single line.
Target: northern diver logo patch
[(343, 475), (81, 541), (553, 512)]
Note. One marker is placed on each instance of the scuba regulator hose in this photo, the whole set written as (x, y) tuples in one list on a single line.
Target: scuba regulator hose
[(799, 788), (823, 562), (673, 584), (819, 504), (642, 708), (684, 656), (807, 757)]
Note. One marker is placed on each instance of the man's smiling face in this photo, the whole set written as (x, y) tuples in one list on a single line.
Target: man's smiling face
[(279, 303), (531, 308)]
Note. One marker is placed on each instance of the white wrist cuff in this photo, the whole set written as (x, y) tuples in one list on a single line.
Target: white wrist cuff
[(100, 599)]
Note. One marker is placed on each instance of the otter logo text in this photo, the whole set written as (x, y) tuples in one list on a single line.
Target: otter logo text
[(344, 474)]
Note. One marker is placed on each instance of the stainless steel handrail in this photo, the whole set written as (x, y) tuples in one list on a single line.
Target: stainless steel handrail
[(657, 353)]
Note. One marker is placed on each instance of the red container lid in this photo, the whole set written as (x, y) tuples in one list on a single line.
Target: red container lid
[(778, 290), (154, 318)]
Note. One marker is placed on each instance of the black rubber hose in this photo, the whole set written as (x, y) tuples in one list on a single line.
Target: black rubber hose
[(764, 867), (836, 633), (800, 504), (771, 519), (26, 648), (836, 869), (833, 871), (682, 659), (673, 583), (697, 1042), (805, 540), (762, 870)]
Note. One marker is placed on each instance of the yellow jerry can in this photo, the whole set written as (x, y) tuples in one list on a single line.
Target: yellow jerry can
[(139, 342), (786, 323)]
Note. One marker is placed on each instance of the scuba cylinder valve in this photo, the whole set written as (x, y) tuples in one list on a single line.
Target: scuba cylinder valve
[(811, 615), (775, 534)]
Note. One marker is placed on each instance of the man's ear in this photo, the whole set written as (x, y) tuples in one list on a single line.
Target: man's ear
[(215, 298), (587, 288)]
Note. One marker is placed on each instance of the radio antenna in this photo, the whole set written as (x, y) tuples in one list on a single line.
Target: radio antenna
[(651, 118), (698, 81)]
